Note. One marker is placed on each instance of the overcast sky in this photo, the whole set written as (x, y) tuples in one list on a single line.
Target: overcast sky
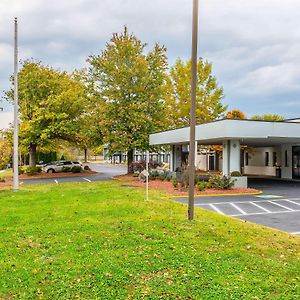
[(254, 45)]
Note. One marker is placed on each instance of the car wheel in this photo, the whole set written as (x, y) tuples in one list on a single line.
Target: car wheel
[(50, 171)]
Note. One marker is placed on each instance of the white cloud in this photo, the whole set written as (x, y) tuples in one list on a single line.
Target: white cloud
[(254, 45)]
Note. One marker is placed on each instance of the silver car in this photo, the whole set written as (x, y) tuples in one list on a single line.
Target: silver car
[(61, 166)]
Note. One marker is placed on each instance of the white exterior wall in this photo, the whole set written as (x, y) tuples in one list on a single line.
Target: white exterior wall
[(256, 162), (201, 162), (260, 170)]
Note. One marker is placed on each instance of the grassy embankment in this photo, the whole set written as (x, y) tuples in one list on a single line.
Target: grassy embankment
[(104, 241)]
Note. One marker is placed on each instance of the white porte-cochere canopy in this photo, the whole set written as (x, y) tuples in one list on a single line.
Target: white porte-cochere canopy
[(255, 133), (283, 136)]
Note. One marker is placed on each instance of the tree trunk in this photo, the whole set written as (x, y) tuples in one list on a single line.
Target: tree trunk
[(32, 155), (85, 155), (129, 160)]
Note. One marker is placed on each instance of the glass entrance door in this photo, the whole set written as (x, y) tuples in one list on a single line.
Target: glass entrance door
[(296, 162)]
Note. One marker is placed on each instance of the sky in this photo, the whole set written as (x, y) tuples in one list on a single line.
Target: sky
[(254, 46)]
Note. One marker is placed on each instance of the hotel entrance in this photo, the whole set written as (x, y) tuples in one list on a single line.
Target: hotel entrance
[(296, 162)]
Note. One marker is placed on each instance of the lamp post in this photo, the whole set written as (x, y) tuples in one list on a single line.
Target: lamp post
[(193, 112), (16, 113)]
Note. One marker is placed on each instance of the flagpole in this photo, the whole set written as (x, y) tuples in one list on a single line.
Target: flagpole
[(16, 113), (193, 112)]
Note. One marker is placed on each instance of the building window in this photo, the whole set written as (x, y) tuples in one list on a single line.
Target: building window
[(247, 159), (266, 159), (286, 158), (274, 159)]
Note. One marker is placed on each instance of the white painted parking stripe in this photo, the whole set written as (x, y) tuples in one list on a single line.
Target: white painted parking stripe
[(255, 204), (264, 213), (285, 207), (288, 200), (240, 202), (237, 208), (87, 180), (298, 232), (56, 181), (216, 209)]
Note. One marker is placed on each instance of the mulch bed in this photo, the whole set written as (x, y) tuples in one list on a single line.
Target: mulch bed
[(168, 187)]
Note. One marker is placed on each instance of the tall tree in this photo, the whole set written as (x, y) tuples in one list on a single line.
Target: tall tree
[(268, 117), (90, 134), (236, 115), (5, 152), (130, 85), (209, 94), (50, 105)]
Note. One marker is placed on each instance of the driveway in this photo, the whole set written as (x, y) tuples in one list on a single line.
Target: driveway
[(105, 173), (278, 207)]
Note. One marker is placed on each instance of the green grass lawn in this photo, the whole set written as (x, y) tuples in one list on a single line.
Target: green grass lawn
[(104, 241)]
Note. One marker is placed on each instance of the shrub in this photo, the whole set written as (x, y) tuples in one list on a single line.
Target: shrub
[(21, 170), (236, 174), (2, 179), (174, 182), (184, 181), (33, 170), (139, 166), (66, 169), (217, 181), (169, 176), (162, 176), (76, 169), (202, 185), (153, 174)]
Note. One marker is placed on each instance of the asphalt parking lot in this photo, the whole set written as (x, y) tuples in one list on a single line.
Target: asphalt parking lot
[(105, 173), (278, 207)]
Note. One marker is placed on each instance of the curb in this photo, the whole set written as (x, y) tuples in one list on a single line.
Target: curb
[(219, 195)]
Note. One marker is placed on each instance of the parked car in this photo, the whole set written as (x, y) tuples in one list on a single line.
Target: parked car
[(61, 166)]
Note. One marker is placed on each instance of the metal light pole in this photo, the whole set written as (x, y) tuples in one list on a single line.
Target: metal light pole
[(147, 175), (16, 112), (193, 111)]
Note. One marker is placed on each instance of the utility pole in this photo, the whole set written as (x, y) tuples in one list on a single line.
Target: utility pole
[(16, 113), (193, 111)]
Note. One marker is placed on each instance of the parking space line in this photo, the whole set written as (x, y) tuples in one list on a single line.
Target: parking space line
[(87, 180), (56, 181), (237, 208), (264, 213), (288, 200), (216, 209), (241, 202), (262, 208), (298, 232), (290, 209)]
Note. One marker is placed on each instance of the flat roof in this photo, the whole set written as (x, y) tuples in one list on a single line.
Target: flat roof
[(248, 132)]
